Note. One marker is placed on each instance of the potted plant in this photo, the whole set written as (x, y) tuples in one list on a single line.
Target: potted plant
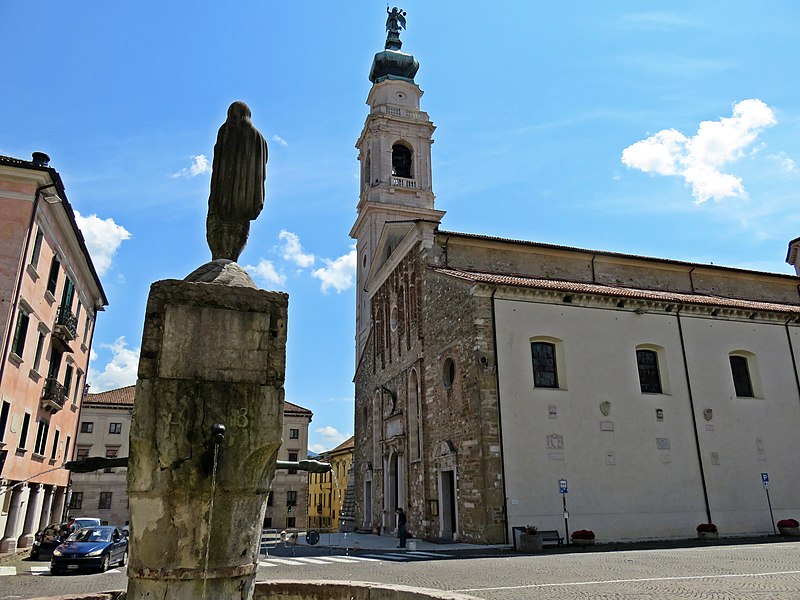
[(789, 527), (530, 540), (583, 537), (707, 531)]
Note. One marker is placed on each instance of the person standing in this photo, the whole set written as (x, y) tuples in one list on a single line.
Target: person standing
[(401, 527)]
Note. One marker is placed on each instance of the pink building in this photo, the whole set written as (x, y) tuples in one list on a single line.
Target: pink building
[(49, 297)]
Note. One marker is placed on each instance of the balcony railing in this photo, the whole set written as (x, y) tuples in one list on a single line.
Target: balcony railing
[(66, 325), (404, 183), (53, 395)]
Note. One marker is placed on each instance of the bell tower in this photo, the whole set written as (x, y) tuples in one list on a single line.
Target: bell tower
[(394, 149)]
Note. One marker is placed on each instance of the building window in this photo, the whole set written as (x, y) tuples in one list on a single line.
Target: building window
[(37, 359), (41, 437), (269, 499), (83, 452), (20, 333), (292, 457), (649, 378), (290, 522), (54, 450), (401, 161), (23, 434), (87, 427), (4, 410), (741, 376), (291, 498), (111, 452), (52, 278), (267, 522), (37, 248), (115, 428), (76, 500), (294, 434), (86, 328), (448, 372), (66, 448), (545, 374), (78, 388), (68, 372), (67, 294), (105, 501)]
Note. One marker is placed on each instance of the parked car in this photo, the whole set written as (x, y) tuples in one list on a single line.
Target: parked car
[(91, 548), (46, 540), (82, 522)]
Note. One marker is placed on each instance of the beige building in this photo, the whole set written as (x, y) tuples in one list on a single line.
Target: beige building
[(103, 431), (327, 491), (286, 505), (50, 294), (489, 369)]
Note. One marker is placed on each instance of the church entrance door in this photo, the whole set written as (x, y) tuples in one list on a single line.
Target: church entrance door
[(447, 515)]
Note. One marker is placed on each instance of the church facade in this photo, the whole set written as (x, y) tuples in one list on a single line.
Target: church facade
[(490, 372)]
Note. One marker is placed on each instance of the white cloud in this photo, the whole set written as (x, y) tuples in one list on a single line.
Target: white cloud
[(786, 164), (293, 251), (698, 159), (120, 371), (103, 237), (338, 273), (330, 439), (280, 140), (265, 271), (200, 165)]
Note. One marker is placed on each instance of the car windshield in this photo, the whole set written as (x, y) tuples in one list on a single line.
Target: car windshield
[(92, 534)]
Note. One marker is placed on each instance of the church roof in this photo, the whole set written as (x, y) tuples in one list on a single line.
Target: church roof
[(561, 285), (667, 261)]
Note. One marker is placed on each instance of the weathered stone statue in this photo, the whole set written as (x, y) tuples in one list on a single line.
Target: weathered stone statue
[(237, 183)]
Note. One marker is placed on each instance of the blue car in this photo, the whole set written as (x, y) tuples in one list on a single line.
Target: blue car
[(91, 548)]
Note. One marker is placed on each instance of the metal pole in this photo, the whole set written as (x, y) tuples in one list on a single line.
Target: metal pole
[(566, 518), (771, 516)]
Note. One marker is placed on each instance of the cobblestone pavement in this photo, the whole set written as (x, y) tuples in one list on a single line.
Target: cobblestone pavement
[(719, 572)]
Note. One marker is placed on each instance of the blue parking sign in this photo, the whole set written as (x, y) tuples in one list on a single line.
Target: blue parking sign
[(765, 479), (562, 486)]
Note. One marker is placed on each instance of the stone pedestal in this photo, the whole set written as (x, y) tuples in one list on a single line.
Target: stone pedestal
[(211, 353)]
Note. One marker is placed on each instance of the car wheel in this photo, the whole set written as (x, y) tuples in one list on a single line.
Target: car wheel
[(35, 555), (124, 560), (104, 566), (54, 571)]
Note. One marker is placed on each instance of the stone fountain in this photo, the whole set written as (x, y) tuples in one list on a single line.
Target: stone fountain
[(208, 413)]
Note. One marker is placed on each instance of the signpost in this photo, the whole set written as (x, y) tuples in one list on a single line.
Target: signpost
[(562, 489), (765, 482)]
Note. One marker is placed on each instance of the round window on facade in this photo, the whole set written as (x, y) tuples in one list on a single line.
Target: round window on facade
[(448, 372), (393, 319)]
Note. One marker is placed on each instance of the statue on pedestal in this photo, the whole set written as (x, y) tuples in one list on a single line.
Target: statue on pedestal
[(237, 183)]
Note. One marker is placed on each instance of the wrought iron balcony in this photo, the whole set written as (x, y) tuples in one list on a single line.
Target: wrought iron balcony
[(53, 395), (66, 325)]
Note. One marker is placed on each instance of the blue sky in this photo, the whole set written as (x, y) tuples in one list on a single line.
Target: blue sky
[(668, 129)]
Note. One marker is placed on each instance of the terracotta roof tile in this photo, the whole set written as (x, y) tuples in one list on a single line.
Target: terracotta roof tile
[(289, 407), (120, 397), (560, 285)]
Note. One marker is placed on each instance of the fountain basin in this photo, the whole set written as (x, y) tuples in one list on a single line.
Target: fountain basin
[(314, 590)]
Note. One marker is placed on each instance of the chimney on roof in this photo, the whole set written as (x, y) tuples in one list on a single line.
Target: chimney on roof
[(40, 159)]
